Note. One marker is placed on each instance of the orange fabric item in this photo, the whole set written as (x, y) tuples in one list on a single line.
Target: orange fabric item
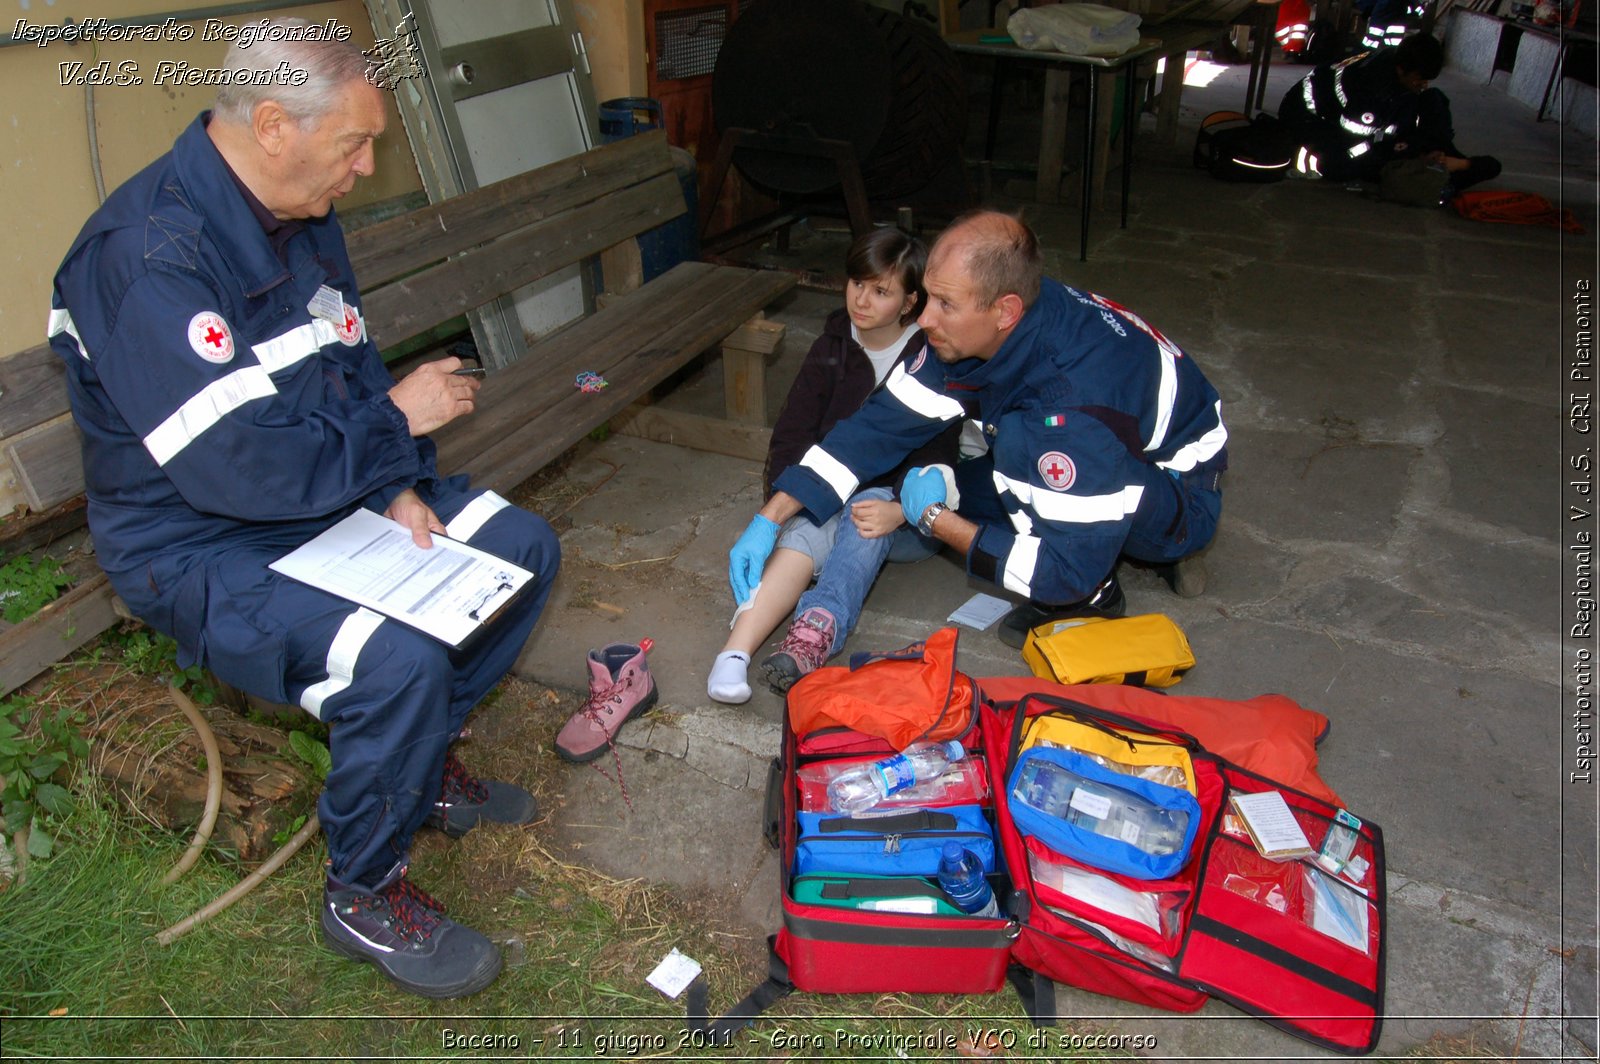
[(1270, 734), (910, 694), (1515, 208)]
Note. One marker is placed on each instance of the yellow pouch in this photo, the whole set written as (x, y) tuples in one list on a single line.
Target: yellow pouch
[(1149, 757), (1148, 651)]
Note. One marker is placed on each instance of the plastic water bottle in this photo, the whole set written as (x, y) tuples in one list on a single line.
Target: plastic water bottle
[(961, 877), (860, 787), (1114, 813)]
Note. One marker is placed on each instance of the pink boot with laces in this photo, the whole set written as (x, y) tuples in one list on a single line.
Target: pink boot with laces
[(620, 688)]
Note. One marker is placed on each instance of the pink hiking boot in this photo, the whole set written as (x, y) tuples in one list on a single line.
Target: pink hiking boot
[(620, 688), (804, 649)]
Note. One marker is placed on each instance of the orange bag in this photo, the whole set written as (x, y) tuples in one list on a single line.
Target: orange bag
[(1516, 208), (905, 695)]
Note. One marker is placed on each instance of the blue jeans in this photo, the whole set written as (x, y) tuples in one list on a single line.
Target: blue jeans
[(847, 572)]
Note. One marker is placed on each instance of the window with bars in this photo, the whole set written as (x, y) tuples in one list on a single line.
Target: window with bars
[(687, 41)]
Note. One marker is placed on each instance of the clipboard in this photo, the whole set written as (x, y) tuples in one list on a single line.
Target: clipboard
[(450, 592)]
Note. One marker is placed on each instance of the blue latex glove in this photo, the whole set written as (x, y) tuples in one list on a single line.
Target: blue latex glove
[(922, 488), (749, 556)]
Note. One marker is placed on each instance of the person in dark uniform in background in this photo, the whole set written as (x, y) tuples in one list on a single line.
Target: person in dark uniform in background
[(232, 408), (1348, 119)]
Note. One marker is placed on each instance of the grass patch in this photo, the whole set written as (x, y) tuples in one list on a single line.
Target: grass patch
[(256, 981)]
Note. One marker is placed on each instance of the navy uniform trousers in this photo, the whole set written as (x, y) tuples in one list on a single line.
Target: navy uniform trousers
[(393, 698)]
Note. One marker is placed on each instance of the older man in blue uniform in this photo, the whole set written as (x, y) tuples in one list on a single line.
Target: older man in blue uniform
[(232, 407), (1105, 439)]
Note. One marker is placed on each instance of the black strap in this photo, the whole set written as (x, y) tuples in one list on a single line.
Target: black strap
[(1315, 973), (772, 807), (903, 823), (1037, 992), (773, 989), (897, 887)]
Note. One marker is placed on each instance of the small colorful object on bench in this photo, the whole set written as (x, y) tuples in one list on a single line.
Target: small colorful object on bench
[(590, 382)]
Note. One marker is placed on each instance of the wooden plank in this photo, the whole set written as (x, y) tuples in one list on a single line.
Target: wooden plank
[(386, 250), (407, 307), (510, 461), (33, 389), (49, 462), (30, 647), (635, 343), (529, 388), (744, 386), (694, 430), (18, 535)]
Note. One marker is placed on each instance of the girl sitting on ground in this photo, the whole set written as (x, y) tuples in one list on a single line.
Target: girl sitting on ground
[(859, 345)]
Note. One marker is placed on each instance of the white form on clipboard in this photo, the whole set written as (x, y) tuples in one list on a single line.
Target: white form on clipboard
[(449, 591)]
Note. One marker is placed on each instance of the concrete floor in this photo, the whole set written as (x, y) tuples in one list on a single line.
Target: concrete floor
[(1392, 553)]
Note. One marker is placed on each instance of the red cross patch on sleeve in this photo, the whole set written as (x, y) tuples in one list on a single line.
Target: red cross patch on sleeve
[(210, 337), (1057, 470)]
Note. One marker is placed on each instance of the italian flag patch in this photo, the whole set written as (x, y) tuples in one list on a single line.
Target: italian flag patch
[(1054, 421)]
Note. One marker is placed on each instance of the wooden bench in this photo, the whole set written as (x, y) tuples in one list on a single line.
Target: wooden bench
[(424, 268)]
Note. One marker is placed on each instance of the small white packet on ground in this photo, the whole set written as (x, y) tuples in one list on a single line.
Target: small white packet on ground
[(675, 972)]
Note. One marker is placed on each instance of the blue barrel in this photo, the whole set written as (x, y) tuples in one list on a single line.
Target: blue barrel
[(676, 241)]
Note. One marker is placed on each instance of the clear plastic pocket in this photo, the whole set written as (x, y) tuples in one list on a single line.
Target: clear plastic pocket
[(1151, 914)]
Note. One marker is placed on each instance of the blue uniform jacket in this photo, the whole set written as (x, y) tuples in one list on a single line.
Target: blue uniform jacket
[(1079, 402), (223, 422)]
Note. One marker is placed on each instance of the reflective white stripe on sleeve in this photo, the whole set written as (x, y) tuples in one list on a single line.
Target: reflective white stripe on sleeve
[(1022, 521), (1074, 509), (342, 654), (1202, 450), (303, 341), (921, 399), (61, 322), (1020, 563), (213, 402), (464, 525), (1309, 95), (830, 469), (1166, 398)]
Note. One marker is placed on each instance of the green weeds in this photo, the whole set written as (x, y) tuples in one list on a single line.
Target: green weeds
[(26, 584), (35, 743)]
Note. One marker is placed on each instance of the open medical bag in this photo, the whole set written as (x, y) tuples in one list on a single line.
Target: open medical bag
[(880, 947), (1288, 941)]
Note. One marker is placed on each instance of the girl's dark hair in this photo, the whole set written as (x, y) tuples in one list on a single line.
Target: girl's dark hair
[(894, 251)]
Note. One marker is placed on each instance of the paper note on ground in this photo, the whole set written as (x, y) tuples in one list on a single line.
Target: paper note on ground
[(675, 972), (980, 611)]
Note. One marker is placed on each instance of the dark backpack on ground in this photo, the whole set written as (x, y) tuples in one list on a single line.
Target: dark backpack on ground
[(1234, 147)]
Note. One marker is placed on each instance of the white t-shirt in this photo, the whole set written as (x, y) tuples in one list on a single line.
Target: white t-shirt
[(884, 358)]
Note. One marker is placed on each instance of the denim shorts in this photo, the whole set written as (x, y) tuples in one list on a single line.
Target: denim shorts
[(816, 541)]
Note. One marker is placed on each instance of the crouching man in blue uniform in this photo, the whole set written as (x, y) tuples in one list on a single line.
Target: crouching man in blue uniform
[(1104, 438), (232, 407)]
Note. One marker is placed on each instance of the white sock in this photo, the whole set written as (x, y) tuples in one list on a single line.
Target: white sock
[(728, 682)]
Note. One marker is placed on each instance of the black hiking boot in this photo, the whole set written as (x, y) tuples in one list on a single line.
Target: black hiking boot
[(404, 933), (466, 801)]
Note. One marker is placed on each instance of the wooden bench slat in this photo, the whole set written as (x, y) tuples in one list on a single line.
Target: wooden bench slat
[(565, 415), (48, 462), (31, 646), (409, 306), (525, 389), (382, 252), (33, 389)]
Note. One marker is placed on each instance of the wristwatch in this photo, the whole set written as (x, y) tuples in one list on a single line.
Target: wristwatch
[(929, 516)]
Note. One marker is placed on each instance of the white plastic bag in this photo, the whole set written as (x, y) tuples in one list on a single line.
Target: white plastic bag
[(1075, 29)]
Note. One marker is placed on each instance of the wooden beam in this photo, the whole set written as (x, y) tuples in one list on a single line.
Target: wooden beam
[(18, 535), (33, 645), (694, 430)]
